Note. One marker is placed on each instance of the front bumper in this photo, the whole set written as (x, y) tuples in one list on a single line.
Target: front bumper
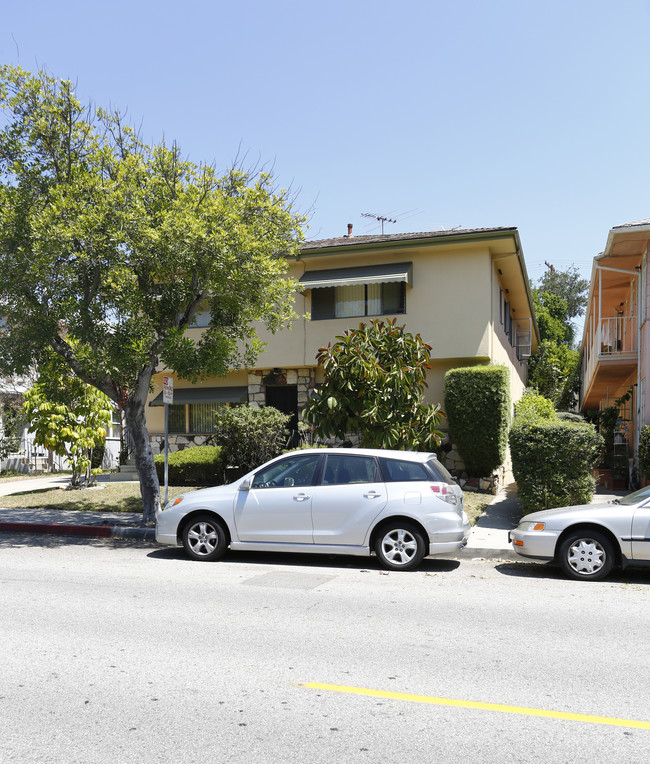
[(539, 545), (167, 527)]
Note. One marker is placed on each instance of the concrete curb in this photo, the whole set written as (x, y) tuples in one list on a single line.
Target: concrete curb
[(97, 531), (480, 553)]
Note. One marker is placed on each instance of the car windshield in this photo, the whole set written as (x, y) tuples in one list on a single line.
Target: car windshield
[(635, 498)]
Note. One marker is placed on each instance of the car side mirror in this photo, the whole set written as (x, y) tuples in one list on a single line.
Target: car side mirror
[(245, 485)]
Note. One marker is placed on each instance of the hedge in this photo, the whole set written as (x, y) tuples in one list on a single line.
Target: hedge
[(200, 465), (644, 452), (477, 404), (552, 461)]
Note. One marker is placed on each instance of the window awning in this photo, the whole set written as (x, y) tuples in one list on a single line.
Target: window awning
[(206, 395), (361, 274)]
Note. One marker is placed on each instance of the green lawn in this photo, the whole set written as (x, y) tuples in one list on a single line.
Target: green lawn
[(475, 504), (110, 497)]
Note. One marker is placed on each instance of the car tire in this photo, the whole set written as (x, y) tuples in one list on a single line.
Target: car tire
[(587, 556), (400, 546), (205, 538)]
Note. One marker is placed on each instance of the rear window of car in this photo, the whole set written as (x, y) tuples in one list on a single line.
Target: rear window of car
[(403, 471), (442, 476)]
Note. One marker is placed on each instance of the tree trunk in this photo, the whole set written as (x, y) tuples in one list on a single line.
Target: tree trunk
[(149, 486)]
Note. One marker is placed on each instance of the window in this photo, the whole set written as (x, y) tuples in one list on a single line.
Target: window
[(343, 470), (358, 300), (296, 471), (200, 417), (401, 471), (176, 422), (113, 431)]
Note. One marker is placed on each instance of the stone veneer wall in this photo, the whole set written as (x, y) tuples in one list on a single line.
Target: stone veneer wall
[(303, 378), (177, 442), (452, 460)]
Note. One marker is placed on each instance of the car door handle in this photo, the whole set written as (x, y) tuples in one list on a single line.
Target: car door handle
[(372, 495), (301, 496)]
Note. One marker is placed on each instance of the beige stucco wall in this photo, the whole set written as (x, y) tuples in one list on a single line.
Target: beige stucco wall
[(448, 304)]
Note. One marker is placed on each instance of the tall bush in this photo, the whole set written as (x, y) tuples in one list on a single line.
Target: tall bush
[(644, 452), (477, 403), (250, 436), (375, 377), (552, 457)]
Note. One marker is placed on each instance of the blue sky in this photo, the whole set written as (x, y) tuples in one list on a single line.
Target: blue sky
[(464, 113)]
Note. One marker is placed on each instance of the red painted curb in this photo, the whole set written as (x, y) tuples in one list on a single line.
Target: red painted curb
[(57, 528)]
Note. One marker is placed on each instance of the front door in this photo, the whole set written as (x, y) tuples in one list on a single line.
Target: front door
[(284, 398), (277, 508)]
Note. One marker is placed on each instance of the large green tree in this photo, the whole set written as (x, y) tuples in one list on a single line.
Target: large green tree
[(110, 246), (374, 387), (568, 285), (554, 370)]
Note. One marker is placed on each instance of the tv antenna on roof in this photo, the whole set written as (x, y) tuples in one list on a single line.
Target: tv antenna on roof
[(379, 218)]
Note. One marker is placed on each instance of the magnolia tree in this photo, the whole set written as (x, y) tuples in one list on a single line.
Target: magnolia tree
[(68, 417), (109, 247), (375, 378)]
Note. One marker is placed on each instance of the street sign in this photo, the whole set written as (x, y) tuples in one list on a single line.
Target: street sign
[(168, 390)]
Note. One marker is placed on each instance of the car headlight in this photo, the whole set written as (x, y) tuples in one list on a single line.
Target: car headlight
[(531, 526), (173, 502)]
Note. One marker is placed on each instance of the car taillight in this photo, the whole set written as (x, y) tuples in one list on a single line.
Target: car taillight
[(442, 490)]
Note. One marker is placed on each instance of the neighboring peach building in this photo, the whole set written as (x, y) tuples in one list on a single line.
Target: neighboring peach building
[(465, 291), (616, 336)]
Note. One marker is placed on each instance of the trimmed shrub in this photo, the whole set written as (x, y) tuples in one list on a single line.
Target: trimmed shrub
[(250, 436), (200, 465), (552, 461), (533, 407), (477, 403), (570, 416), (644, 452)]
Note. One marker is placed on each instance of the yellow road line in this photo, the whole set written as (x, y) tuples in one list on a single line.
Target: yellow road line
[(480, 706)]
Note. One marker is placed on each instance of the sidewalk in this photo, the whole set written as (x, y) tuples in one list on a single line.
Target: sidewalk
[(123, 525), (489, 537)]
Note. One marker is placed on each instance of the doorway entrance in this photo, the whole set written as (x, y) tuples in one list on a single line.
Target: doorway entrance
[(284, 398)]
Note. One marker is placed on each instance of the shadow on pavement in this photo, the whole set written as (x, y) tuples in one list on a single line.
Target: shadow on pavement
[(306, 561), (53, 541), (552, 571)]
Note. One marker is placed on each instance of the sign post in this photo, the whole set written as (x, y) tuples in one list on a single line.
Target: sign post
[(168, 399)]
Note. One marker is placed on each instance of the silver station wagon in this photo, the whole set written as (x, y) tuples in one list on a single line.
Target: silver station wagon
[(399, 505), (589, 540)]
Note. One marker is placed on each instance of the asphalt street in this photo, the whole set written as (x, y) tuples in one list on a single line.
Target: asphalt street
[(118, 651)]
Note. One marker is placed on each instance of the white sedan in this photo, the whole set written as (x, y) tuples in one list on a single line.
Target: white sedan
[(589, 540), (401, 505)]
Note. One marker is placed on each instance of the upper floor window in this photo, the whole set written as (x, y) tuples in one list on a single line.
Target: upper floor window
[(358, 300)]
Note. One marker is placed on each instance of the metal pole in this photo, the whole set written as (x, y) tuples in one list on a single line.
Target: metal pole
[(166, 453)]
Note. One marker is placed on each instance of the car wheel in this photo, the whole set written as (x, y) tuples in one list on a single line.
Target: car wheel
[(204, 538), (587, 556), (400, 546)]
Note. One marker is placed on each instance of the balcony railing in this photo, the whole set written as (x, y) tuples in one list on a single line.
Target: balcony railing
[(611, 337)]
